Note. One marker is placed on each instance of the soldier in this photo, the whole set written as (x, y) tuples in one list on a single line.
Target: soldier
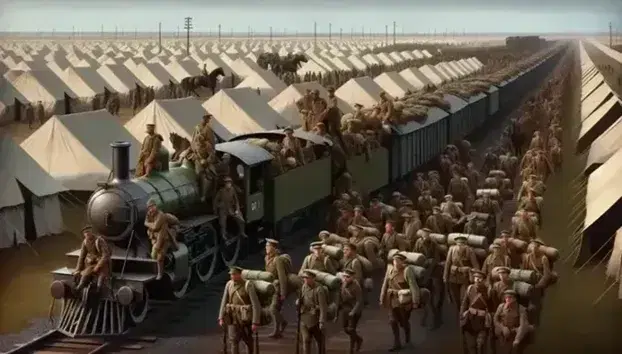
[(473, 226), (461, 259), (204, 128), (497, 258), (358, 112), (350, 261), (475, 318), (474, 177), (529, 202), (351, 308), (360, 219), (386, 107), (159, 229), (438, 223), (505, 240), (305, 107), (376, 213), (397, 279), (458, 189), (344, 221), (412, 225), (136, 101), (523, 227), (425, 204), (451, 208), (227, 204), (432, 252), (499, 287), (223, 168), (320, 129), (537, 261), (391, 239), (94, 260), (291, 146), (202, 157), (486, 205), (30, 115), (240, 311), (511, 325), (319, 107), (40, 113), (148, 152), (313, 310), (279, 265), (318, 260)]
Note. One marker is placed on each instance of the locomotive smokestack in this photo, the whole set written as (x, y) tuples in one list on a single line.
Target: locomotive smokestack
[(121, 160)]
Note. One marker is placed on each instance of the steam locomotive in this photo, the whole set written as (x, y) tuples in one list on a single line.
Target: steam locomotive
[(270, 204)]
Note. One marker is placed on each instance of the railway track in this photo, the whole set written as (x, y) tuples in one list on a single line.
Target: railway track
[(56, 342)]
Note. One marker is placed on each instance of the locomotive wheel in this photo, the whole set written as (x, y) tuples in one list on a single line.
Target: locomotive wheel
[(180, 289), (138, 310), (205, 268), (230, 250)]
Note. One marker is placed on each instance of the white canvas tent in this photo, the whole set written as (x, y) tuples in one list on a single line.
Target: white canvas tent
[(29, 204), (394, 84), (432, 75), (243, 111), (178, 116), (120, 78), (11, 102), (415, 78), (75, 148), (48, 88), (285, 102), (362, 90), (265, 82)]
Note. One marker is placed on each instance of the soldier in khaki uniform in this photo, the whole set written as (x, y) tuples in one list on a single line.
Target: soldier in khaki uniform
[(397, 279), (148, 152), (160, 230), (279, 265), (202, 157), (511, 325), (40, 113), (498, 288), (411, 226), (386, 107), (432, 252), (30, 115), (94, 260), (475, 318), (505, 240), (313, 310), (497, 258), (350, 262), (291, 146), (240, 311), (351, 308), (461, 260), (318, 260), (360, 219), (537, 261), (305, 108), (391, 239), (226, 204), (204, 129)]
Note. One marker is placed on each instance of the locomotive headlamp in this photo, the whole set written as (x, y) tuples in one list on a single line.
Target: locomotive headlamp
[(125, 295), (240, 170), (57, 289)]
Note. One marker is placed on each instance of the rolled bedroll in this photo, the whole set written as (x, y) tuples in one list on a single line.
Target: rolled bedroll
[(250, 274), (475, 241), (494, 193), (497, 173), (522, 275), (517, 243), (264, 288), (330, 281), (367, 266), (331, 251), (412, 258)]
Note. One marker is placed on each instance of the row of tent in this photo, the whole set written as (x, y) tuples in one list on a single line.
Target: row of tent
[(73, 150), (601, 137), (68, 83)]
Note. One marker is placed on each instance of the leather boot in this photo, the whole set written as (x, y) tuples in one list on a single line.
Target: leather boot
[(397, 343), (407, 333), (358, 344)]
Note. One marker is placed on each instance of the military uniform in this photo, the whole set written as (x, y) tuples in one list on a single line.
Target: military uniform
[(412, 224), (202, 151), (148, 153), (291, 147), (497, 258), (432, 252), (511, 326), (539, 263), (392, 240), (351, 308), (320, 262), (279, 265), (461, 260), (227, 204), (498, 288), (475, 318), (94, 260), (240, 309), (398, 279), (360, 219), (313, 310), (40, 113), (158, 225)]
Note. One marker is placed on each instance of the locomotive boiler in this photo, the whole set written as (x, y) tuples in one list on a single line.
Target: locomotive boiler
[(116, 211)]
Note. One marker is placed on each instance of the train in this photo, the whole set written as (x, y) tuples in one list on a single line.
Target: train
[(270, 204)]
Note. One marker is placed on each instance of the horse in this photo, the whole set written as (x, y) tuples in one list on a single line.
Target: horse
[(291, 64), (268, 61), (180, 145), (191, 83), (281, 65)]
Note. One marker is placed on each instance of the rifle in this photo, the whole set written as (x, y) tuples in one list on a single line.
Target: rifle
[(256, 342), (298, 315)]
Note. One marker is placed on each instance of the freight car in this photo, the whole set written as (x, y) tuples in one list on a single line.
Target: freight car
[(117, 209)]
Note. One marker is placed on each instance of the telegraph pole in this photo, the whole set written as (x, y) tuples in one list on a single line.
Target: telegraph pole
[(177, 32), (340, 34), (394, 32), (101, 31), (73, 31), (363, 32), (330, 30), (116, 32), (314, 33), (188, 27), (610, 35), (386, 34), (219, 33), (159, 37), (270, 34)]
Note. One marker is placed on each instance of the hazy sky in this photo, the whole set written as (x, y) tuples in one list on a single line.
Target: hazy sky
[(296, 15)]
